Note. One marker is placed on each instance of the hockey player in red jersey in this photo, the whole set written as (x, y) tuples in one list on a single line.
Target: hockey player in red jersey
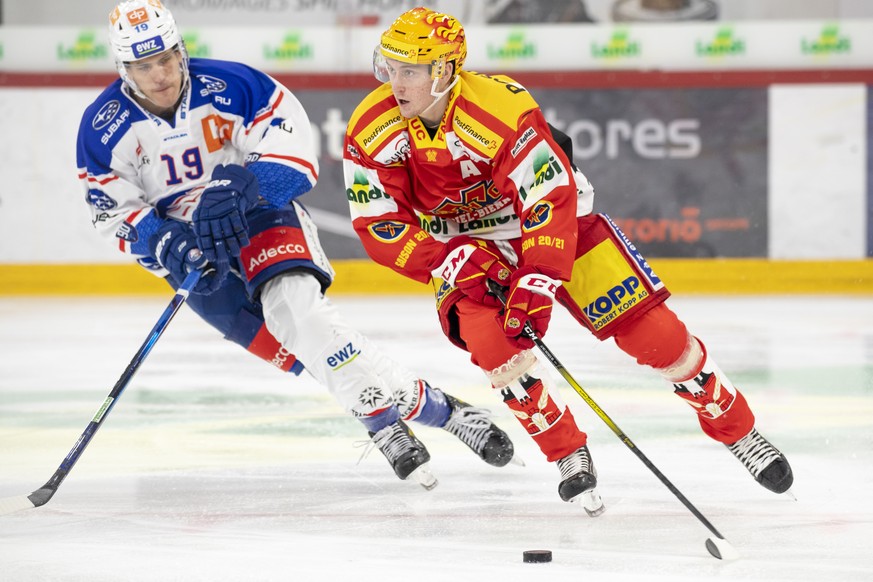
[(184, 154), (455, 177)]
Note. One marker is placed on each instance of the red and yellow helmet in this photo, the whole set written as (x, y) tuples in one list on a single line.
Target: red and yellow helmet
[(424, 37)]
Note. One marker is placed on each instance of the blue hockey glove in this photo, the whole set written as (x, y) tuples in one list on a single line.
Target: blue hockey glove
[(219, 220), (175, 248)]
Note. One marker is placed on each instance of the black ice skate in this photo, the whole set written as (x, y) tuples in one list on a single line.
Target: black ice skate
[(473, 427), (579, 481), (767, 465), (406, 454)]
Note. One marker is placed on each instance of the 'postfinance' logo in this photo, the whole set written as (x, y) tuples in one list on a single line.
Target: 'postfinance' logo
[(619, 46), (515, 48), (724, 44), (291, 49), (406, 52), (84, 49), (829, 42), (196, 48)]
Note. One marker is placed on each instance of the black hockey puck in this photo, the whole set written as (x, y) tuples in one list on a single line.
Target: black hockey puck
[(537, 556)]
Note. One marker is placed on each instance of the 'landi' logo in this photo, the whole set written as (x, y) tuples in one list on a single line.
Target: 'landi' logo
[(515, 47), (829, 42), (84, 49), (291, 49), (195, 47), (619, 46), (724, 44)]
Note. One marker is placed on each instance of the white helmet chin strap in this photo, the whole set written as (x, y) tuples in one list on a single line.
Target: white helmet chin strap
[(437, 95)]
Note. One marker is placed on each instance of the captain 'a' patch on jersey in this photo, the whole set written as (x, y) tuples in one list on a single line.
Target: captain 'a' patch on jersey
[(539, 174)]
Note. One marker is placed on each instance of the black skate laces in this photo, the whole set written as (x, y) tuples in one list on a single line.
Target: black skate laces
[(393, 441), (575, 463), (471, 425), (755, 452)]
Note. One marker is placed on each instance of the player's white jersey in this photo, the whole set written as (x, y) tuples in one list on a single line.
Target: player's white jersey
[(138, 169)]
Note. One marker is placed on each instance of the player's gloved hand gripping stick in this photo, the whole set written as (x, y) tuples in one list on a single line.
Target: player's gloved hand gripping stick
[(718, 546), (175, 248), (42, 495), (470, 266), (220, 218)]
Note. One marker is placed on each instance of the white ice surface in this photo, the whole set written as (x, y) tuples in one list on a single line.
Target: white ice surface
[(214, 466)]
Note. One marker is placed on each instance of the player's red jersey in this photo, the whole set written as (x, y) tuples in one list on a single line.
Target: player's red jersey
[(491, 170)]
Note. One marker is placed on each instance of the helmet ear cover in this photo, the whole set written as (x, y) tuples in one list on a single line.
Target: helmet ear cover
[(438, 68)]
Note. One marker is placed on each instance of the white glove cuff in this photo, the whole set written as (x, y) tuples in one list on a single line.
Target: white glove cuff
[(452, 264), (539, 284)]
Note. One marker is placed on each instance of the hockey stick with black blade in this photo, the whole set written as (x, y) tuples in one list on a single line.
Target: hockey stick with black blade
[(718, 546), (42, 495)]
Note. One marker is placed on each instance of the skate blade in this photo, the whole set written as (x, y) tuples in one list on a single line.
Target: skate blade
[(424, 477), (516, 460), (789, 494), (591, 501)]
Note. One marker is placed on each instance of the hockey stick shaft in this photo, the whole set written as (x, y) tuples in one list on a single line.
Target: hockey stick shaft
[(42, 495), (553, 360), (615, 429)]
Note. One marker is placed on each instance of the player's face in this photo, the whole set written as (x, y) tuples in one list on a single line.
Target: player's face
[(411, 85), (159, 78)]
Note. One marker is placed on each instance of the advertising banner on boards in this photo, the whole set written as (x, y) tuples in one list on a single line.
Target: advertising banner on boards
[(683, 172)]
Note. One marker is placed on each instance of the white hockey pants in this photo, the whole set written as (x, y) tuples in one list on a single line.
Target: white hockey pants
[(361, 378)]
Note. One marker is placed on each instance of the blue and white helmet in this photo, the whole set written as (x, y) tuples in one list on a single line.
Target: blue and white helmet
[(142, 28)]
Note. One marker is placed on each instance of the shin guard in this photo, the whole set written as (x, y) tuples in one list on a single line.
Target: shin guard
[(534, 400), (722, 410)]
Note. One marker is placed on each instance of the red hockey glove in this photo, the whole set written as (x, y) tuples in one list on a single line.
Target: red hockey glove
[(531, 295), (219, 220), (469, 265)]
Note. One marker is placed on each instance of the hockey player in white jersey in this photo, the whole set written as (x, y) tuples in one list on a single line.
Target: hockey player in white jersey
[(183, 154)]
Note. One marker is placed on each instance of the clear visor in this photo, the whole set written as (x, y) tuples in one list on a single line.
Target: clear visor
[(380, 65), (437, 68)]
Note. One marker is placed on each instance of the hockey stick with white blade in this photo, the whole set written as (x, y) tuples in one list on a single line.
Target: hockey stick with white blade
[(718, 546), (42, 495)]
